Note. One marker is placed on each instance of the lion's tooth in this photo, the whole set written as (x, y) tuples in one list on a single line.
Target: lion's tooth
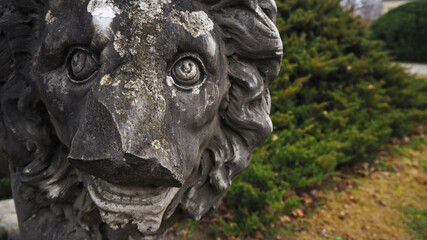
[(107, 195), (99, 188), (115, 197), (136, 200)]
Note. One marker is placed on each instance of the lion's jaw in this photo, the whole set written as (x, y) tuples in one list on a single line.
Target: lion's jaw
[(119, 206)]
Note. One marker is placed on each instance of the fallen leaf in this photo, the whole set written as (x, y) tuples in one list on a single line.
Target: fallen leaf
[(298, 213), (228, 216), (275, 137), (324, 233), (342, 214), (245, 210), (258, 235), (285, 219), (314, 192), (308, 201)]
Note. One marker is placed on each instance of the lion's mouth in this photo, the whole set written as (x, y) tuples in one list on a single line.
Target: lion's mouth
[(121, 205), (126, 195)]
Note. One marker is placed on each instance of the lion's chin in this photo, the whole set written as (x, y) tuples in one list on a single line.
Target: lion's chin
[(121, 205)]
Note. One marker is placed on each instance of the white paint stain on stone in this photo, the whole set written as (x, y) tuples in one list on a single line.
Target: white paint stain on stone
[(103, 13), (197, 23), (118, 38), (151, 9), (49, 18), (162, 103), (156, 144), (115, 83), (169, 81), (136, 41), (195, 91), (151, 39), (211, 96), (107, 80)]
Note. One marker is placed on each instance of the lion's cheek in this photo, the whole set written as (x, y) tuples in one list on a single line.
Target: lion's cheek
[(64, 102), (193, 118)]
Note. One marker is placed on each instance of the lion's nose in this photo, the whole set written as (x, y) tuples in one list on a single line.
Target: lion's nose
[(130, 170), (98, 148)]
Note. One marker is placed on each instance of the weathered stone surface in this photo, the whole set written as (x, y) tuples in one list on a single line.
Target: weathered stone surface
[(120, 117)]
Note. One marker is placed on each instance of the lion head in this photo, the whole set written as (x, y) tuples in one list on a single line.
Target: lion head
[(120, 117)]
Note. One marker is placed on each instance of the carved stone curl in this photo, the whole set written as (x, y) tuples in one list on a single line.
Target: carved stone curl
[(120, 117)]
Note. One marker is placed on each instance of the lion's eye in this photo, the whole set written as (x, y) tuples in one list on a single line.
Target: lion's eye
[(81, 65), (187, 71)]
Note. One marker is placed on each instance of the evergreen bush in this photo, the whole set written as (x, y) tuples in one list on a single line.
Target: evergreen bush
[(337, 100), (404, 31), (5, 190)]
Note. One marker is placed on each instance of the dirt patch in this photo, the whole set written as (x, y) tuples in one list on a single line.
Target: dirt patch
[(373, 208)]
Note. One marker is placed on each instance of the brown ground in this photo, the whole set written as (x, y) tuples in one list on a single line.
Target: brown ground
[(372, 210)]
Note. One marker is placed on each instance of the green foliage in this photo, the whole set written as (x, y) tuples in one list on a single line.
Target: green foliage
[(404, 31), (337, 100), (257, 196), (213, 231), (293, 203), (5, 190), (417, 224)]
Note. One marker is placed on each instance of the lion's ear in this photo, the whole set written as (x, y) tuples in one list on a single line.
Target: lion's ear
[(27, 136)]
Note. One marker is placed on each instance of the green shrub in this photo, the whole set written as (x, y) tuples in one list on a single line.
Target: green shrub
[(5, 190), (404, 30), (293, 203), (337, 100)]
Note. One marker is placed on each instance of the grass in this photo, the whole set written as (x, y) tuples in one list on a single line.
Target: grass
[(417, 222), (388, 204)]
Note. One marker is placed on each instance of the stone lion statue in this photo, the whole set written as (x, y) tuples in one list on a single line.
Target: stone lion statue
[(120, 117)]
